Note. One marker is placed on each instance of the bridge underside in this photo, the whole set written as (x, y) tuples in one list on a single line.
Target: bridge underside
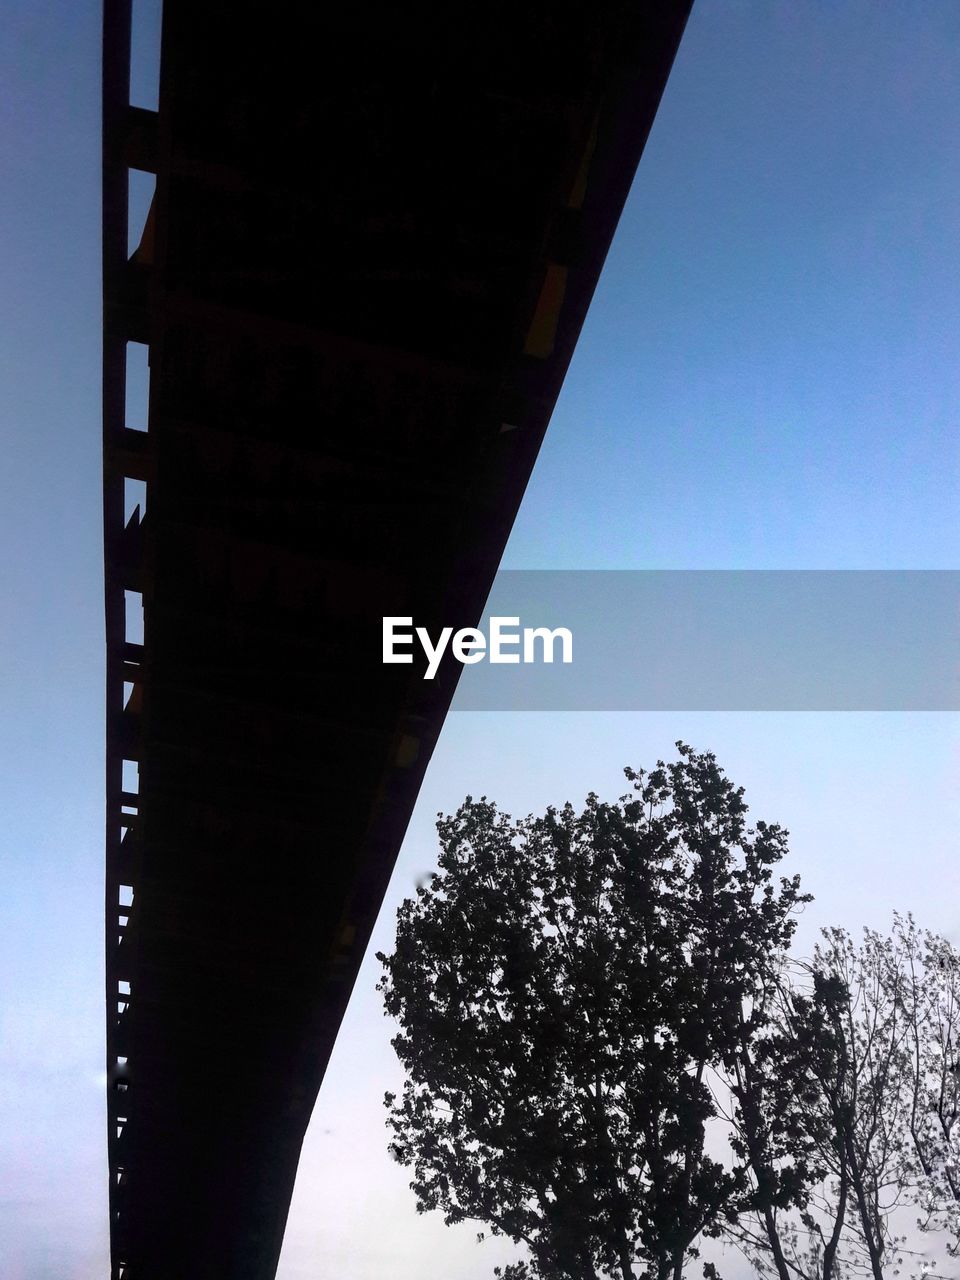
[(375, 234)]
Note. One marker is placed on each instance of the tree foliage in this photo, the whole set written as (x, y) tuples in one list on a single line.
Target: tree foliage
[(867, 1035), (567, 987), (924, 973)]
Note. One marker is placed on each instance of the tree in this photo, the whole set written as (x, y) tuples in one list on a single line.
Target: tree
[(840, 1041), (565, 987), (867, 1036), (924, 974)]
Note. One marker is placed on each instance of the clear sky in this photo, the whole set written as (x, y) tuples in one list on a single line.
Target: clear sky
[(768, 378)]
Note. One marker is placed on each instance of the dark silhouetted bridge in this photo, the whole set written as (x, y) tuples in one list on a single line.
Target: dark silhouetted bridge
[(375, 234)]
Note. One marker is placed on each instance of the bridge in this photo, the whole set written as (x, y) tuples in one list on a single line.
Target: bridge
[(374, 237)]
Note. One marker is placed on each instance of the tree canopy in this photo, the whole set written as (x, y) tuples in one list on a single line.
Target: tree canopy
[(566, 987), (611, 1055)]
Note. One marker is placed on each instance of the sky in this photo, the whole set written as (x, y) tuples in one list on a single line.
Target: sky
[(767, 378)]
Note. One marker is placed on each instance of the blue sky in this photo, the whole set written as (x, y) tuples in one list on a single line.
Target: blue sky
[(768, 378)]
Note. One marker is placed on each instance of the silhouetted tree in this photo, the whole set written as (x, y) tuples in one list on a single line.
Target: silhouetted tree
[(866, 1036), (923, 970), (567, 986), (845, 1060)]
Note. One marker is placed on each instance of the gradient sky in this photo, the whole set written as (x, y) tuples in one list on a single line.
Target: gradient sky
[(768, 378)]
